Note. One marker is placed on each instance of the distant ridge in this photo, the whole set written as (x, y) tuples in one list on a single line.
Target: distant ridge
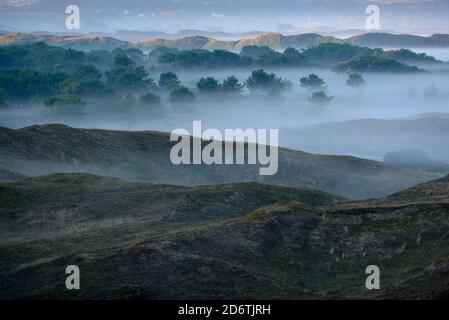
[(400, 40), (80, 42), (273, 40), (135, 35)]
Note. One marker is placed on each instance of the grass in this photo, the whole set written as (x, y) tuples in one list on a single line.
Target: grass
[(144, 157)]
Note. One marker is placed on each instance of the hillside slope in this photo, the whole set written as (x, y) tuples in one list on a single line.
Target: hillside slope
[(145, 156), (426, 194), (63, 204), (8, 175), (284, 250)]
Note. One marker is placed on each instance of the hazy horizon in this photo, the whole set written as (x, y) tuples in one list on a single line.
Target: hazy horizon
[(232, 16)]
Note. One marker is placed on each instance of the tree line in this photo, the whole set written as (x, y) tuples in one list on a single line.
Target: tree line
[(40, 72), (126, 78)]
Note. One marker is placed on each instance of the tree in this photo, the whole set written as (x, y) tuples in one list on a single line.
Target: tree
[(312, 81), (24, 84), (85, 81), (231, 85), (167, 57), (202, 58), (208, 85), (87, 72), (261, 80), (271, 59), (124, 73), (375, 64), (122, 60), (292, 57), (133, 54), (181, 94), (150, 99), (155, 55), (168, 81), (249, 55), (255, 52), (355, 80), (134, 77), (331, 53), (320, 97)]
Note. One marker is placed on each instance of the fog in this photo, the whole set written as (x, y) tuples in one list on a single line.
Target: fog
[(418, 103)]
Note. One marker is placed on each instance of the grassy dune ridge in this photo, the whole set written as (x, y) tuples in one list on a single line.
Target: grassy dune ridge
[(144, 241), (144, 157)]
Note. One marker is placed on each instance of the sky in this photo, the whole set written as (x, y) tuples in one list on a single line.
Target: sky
[(412, 16)]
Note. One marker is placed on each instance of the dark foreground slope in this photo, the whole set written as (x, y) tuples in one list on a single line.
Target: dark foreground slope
[(64, 204), (145, 156), (8, 175), (157, 242)]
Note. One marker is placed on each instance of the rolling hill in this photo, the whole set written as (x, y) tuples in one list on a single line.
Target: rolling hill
[(386, 40), (65, 204), (273, 40), (128, 246), (8, 175), (144, 157), (79, 42)]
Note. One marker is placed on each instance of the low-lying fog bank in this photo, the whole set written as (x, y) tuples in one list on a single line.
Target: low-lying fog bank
[(384, 96)]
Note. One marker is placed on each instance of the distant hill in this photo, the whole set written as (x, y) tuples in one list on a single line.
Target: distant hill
[(79, 42), (144, 156), (273, 40), (375, 137), (194, 40), (135, 35), (386, 40)]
